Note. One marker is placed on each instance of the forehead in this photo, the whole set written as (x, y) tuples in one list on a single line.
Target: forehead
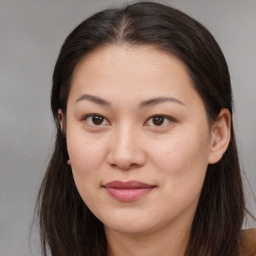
[(125, 70), (125, 59)]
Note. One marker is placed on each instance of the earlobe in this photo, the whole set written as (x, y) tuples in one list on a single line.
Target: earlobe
[(61, 118), (220, 136)]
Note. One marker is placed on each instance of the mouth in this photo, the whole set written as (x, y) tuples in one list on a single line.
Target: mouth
[(128, 191)]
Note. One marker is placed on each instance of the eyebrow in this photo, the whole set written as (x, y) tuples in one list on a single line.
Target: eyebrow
[(146, 103), (154, 101), (94, 99)]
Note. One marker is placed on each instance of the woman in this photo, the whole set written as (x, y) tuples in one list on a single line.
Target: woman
[(145, 160)]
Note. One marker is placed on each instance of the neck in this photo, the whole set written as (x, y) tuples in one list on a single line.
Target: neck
[(170, 242)]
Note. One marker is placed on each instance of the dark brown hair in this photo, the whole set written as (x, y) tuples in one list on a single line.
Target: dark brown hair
[(67, 225)]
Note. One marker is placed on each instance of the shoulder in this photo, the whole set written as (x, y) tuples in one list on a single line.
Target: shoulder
[(248, 242)]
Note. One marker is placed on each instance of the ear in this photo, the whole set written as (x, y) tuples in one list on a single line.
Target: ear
[(61, 118), (220, 136)]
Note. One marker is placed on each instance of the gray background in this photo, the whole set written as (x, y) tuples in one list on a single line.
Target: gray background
[(31, 33)]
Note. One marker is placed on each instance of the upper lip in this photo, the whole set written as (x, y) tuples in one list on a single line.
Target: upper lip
[(132, 184)]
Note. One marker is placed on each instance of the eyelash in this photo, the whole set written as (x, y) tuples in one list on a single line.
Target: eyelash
[(86, 117), (165, 117)]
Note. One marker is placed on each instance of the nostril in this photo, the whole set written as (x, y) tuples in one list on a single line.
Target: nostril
[(124, 166), (125, 152)]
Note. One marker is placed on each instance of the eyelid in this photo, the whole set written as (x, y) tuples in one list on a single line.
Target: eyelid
[(170, 118), (85, 117)]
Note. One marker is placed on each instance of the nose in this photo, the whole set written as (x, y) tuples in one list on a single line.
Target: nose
[(126, 149)]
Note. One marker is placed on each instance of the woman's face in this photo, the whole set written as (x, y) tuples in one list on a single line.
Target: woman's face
[(138, 139)]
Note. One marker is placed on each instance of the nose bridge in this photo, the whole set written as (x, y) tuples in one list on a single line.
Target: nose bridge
[(126, 149), (125, 136)]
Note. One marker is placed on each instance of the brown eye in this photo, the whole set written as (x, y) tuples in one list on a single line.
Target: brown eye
[(159, 120), (96, 120)]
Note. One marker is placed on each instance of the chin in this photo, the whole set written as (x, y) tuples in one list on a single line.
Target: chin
[(128, 228), (132, 224)]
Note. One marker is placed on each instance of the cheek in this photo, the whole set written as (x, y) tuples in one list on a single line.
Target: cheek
[(182, 167), (183, 158), (86, 158)]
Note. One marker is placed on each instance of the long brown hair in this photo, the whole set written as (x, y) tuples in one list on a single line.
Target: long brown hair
[(67, 225)]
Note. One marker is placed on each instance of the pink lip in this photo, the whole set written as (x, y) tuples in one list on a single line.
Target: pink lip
[(128, 191)]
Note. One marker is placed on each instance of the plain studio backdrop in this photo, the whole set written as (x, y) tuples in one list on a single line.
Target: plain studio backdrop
[(31, 34)]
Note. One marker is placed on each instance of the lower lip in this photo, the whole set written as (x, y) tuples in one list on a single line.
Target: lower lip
[(128, 195)]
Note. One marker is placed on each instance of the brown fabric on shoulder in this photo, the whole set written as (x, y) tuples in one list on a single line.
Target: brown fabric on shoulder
[(248, 242)]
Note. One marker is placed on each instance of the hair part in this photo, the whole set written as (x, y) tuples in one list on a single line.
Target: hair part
[(67, 225)]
